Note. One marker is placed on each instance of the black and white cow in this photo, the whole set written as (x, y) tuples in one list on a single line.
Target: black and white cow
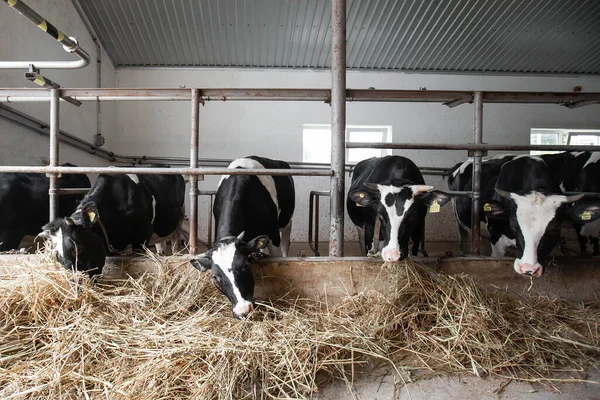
[(118, 211), (251, 213), (580, 172), (461, 179), (24, 204), (390, 188), (529, 199)]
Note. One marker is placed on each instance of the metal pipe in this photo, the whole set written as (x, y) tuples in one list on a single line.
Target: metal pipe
[(41, 127), (194, 138), (476, 178), (209, 234), (74, 191), (313, 209), (70, 44), (567, 99), (311, 205), (54, 147), (468, 146), (163, 171), (338, 126)]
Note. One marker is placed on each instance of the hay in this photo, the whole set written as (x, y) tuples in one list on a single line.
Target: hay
[(170, 334)]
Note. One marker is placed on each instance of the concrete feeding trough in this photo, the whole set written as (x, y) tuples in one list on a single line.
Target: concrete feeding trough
[(330, 280)]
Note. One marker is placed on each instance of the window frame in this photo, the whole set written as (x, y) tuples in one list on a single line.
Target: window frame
[(386, 137)]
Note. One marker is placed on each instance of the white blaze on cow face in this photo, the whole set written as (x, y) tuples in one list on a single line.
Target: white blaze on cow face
[(223, 258), (534, 213), (391, 251), (57, 242)]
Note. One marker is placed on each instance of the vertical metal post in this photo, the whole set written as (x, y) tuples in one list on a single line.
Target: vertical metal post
[(194, 164), (338, 126), (54, 124), (477, 159)]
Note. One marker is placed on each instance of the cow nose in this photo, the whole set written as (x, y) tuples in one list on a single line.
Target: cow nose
[(528, 269), (390, 255), (241, 310)]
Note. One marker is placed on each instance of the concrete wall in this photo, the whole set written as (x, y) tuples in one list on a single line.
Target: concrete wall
[(274, 129), (21, 40)]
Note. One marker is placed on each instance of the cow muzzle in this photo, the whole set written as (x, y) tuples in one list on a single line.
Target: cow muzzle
[(242, 309), (390, 254), (533, 270)]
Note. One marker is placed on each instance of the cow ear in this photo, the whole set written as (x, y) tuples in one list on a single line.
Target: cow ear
[(89, 213), (256, 244), (203, 262), (584, 212), (362, 198), (435, 196), (494, 209)]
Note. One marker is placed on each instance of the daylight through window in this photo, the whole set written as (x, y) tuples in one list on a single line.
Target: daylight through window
[(316, 142)]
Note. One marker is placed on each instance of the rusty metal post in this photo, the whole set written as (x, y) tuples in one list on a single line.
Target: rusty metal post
[(338, 127), (194, 138), (477, 160), (209, 228), (54, 124)]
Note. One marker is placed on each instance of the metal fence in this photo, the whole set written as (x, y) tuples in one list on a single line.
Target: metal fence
[(336, 97)]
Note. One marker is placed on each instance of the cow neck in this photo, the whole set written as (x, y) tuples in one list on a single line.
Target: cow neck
[(105, 234), (231, 220)]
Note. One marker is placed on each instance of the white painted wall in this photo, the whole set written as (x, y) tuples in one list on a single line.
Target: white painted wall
[(21, 40), (274, 129)]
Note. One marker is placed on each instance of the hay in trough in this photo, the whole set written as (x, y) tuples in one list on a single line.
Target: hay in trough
[(170, 334)]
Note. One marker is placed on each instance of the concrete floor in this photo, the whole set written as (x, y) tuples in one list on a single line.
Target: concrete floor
[(380, 383)]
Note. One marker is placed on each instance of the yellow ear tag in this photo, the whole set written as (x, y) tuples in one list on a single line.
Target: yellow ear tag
[(260, 243), (361, 195), (91, 215), (487, 207), (435, 207), (586, 216), (359, 205)]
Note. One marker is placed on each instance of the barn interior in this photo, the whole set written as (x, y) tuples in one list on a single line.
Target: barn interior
[(429, 79)]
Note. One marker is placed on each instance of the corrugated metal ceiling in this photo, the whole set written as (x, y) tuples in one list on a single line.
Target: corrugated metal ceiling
[(493, 36)]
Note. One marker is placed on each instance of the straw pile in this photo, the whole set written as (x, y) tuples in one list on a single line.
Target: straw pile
[(170, 334)]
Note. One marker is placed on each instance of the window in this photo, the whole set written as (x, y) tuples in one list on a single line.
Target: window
[(577, 137), (316, 142)]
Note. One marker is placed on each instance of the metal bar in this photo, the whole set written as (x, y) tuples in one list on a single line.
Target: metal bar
[(74, 191), (338, 126), (323, 95), (69, 43), (467, 146), (163, 171), (194, 137), (209, 233), (477, 160), (317, 205), (311, 205), (54, 147)]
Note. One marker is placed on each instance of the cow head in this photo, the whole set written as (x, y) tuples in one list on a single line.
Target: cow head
[(401, 207), (73, 242), (535, 219), (229, 261)]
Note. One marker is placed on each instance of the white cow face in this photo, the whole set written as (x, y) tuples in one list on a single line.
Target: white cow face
[(536, 219), (232, 270), (401, 208)]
